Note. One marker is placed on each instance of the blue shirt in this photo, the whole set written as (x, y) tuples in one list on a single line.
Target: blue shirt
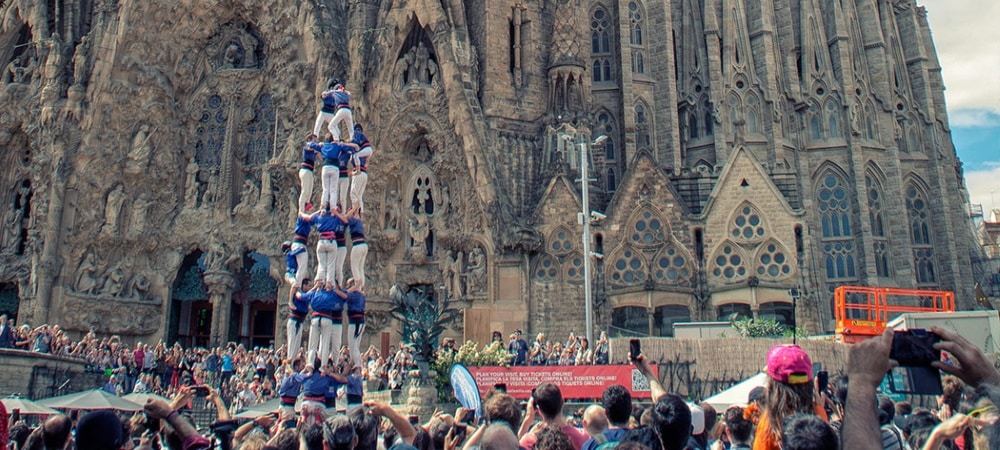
[(303, 226), (354, 385), (361, 139), (328, 223), (309, 152), (291, 385), (301, 303), (324, 300), (336, 154), (611, 435), (329, 102), (227, 363), (342, 98), (316, 385), (355, 301), (291, 262), (356, 227)]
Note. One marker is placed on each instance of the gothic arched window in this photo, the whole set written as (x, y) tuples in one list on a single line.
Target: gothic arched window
[(920, 235), (635, 21), (260, 132), (876, 219), (600, 39), (832, 113), (211, 132), (837, 236)]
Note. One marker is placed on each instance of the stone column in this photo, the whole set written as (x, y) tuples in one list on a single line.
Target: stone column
[(50, 263), (220, 285)]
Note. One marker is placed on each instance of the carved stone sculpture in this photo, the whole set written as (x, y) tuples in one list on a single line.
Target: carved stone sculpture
[(476, 272), (248, 198), (112, 209), (81, 68), (114, 281), (392, 211), (86, 274), (191, 184), (137, 287), (13, 225), (14, 73), (138, 156), (453, 269)]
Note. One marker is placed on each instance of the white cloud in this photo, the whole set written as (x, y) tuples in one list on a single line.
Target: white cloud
[(984, 186), (973, 118), (967, 38)]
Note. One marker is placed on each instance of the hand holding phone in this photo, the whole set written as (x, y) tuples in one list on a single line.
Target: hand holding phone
[(914, 351), (459, 431), (823, 382), (634, 349), (201, 391)]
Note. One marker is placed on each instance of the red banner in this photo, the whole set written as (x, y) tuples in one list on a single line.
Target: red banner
[(583, 382)]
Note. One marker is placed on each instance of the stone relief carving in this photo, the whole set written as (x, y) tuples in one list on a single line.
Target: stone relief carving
[(236, 47), (139, 154), (110, 316), (140, 216), (392, 215), (248, 198), (119, 280), (417, 67), (191, 184), (217, 257), (86, 274), (112, 209), (475, 273), (452, 273), (81, 67)]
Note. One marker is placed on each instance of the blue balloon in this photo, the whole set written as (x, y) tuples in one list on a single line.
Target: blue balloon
[(466, 389)]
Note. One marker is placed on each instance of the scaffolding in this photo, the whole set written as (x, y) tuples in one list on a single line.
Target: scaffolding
[(862, 312)]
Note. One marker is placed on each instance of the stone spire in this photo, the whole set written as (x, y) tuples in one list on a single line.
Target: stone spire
[(567, 66)]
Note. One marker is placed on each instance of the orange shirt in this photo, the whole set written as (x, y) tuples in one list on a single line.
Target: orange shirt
[(764, 439)]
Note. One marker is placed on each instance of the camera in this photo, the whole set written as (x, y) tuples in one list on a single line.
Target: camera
[(914, 351), (634, 349), (201, 391), (598, 215)]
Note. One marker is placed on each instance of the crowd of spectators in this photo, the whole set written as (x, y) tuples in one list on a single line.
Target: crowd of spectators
[(791, 412), (576, 351)]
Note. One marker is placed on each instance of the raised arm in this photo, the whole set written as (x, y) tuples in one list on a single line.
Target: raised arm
[(867, 364), (655, 388), (400, 423)]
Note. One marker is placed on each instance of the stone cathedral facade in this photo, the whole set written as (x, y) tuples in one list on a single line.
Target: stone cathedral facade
[(756, 149)]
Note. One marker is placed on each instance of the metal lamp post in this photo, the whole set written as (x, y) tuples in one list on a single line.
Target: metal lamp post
[(585, 219)]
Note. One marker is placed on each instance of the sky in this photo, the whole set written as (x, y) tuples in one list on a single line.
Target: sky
[(967, 38)]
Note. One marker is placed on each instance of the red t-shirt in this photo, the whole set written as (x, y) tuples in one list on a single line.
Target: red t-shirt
[(576, 435)]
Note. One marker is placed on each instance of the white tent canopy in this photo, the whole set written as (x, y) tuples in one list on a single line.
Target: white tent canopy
[(736, 395)]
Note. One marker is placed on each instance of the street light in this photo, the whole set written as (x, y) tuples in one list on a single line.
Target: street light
[(585, 217)]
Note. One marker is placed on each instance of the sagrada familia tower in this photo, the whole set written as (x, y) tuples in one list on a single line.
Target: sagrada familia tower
[(756, 150)]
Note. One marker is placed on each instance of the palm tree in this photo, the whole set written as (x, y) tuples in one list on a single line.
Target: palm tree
[(424, 318)]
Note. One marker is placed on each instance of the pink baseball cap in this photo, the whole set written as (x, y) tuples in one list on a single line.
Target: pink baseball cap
[(789, 364)]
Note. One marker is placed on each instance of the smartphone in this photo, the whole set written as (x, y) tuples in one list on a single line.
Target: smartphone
[(914, 351), (15, 415), (459, 431), (914, 348), (414, 420), (823, 381), (290, 424), (201, 391), (153, 425), (633, 349), (502, 387)]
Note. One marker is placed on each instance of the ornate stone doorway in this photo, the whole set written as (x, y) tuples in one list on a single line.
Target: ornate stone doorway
[(190, 310)]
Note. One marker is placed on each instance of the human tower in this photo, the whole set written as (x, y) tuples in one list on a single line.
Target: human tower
[(324, 299)]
